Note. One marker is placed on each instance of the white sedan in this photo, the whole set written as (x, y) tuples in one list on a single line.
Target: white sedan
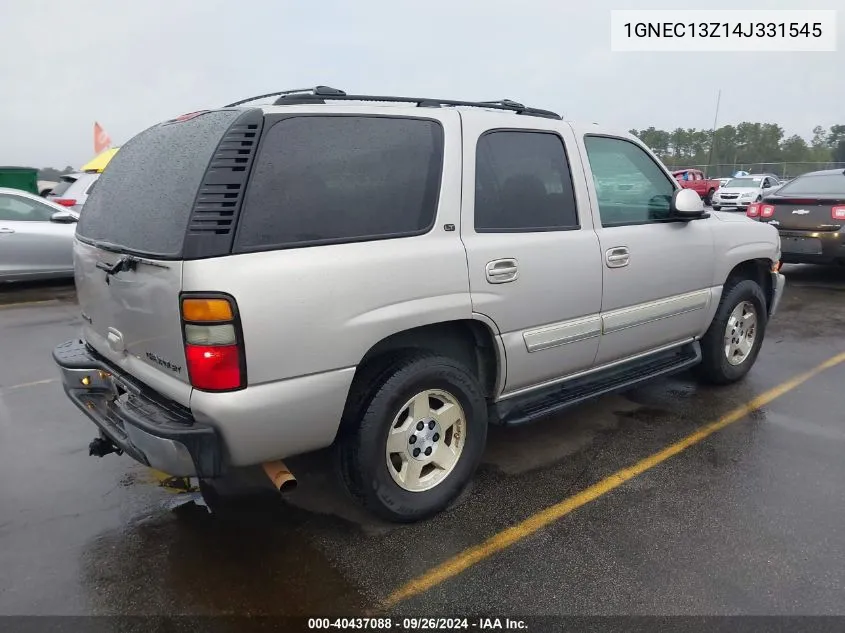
[(36, 237)]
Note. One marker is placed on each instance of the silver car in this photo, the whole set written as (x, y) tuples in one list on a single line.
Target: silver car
[(73, 190), (259, 282), (36, 237), (738, 193)]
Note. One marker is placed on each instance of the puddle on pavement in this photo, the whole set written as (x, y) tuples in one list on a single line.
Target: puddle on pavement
[(252, 558), (517, 450)]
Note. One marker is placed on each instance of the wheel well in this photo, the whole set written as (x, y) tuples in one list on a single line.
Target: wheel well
[(757, 270), (468, 341)]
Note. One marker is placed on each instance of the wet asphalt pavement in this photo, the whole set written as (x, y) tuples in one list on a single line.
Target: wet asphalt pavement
[(747, 521)]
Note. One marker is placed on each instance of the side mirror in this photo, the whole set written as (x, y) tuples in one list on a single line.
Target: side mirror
[(64, 217), (686, 204)]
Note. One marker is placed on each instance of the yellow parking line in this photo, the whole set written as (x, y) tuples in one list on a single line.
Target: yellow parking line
[(504, 539)]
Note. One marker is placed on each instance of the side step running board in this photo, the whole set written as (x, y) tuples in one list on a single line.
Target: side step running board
[(541, 403)]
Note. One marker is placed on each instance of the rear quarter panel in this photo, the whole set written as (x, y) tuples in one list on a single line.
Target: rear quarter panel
[(309, 315)]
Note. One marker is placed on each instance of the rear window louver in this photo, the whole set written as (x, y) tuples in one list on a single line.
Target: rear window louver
[(218, 202)]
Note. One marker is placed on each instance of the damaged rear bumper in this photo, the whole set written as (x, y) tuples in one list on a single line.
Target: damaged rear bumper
[(158, 433)]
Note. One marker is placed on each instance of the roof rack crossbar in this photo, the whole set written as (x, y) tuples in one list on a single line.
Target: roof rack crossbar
[(321, 94)]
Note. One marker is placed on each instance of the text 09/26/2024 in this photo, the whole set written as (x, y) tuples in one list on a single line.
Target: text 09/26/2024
[(723, 31)]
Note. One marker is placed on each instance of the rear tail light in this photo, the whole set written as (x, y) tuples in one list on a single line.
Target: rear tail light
[(766, 210), (838, 213), (65, 202), (214, 349), (753, 210)]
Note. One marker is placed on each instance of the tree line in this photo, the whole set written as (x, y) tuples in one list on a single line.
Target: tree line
[(52, 174), (747, 146)]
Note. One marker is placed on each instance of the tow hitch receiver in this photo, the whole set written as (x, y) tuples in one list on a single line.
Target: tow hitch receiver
[(102, 446)]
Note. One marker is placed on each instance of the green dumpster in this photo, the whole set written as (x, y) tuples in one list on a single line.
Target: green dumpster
[(25, 178)]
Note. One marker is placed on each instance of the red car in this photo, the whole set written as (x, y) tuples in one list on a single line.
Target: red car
[(695, 180)]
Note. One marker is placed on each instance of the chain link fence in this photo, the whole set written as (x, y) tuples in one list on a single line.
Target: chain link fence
[(781, 170)]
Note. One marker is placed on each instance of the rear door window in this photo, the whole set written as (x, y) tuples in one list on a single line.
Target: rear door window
[(143, 200), (523, 183), (326, 179)]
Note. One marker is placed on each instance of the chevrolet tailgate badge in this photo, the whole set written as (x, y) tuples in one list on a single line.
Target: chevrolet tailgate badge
[(800, 212)]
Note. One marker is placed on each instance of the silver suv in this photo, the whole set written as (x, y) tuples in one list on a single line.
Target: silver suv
[(73, 190), (258, 282)]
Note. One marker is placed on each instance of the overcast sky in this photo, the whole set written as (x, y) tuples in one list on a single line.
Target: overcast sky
[(130, 64)]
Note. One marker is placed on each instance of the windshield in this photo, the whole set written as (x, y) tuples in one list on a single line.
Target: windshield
[(824, 185), (744, 182)]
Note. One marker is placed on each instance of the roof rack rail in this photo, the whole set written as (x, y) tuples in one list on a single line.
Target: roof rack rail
[(321, 94), (313, 92)]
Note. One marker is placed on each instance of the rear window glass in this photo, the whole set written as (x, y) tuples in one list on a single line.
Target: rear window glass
[(62, 186), (745, 182), (826, 185), (324, 179), (143, 200)]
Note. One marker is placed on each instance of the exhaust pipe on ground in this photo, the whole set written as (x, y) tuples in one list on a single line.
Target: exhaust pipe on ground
[(282, 478)]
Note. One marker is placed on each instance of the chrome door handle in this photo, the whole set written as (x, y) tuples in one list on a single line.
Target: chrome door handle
[(501, 271), (617, 257), (6, 230)]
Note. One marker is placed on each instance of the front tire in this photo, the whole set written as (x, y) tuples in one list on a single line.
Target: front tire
[(733, 340), (413, 443)]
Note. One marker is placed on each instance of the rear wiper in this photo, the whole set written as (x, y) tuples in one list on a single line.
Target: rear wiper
[(126, 262)]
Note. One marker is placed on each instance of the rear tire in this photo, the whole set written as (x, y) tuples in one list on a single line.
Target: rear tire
[(396, 469), (733, 340), (709, 197), (717, 208)]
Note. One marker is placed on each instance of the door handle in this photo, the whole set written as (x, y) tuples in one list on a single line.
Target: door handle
[(617, 257), (501, 271), (4, 229)]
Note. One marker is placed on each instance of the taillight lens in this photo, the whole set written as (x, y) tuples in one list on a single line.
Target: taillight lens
[(213, 347), (65, 202), (206, 310), (767, 210), (214, 367), (838, 213), (753, 210)]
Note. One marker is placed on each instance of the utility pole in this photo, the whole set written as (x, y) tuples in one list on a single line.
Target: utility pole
[(713, 133)]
